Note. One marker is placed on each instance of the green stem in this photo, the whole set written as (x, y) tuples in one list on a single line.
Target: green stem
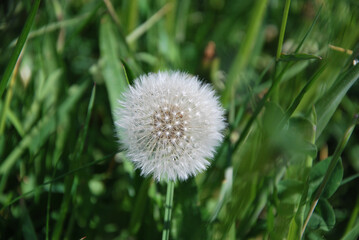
[(280, 44), (333, 163), (168, 210), (282, 29)]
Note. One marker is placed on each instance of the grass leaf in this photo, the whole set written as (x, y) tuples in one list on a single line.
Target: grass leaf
[(328, 103), (44, 127), (19, 46), (111, 66), (298, 57)]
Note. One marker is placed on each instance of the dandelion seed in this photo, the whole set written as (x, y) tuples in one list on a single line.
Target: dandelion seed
[(169, 141)]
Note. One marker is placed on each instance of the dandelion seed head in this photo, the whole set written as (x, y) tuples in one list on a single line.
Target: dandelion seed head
[(170, 123)]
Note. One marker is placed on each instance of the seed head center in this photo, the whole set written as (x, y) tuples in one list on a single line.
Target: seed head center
[(168, 124)]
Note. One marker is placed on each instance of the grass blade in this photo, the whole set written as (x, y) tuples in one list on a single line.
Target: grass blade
[(6, 107), (354, 216), (329, 102), (130, 76), (19, 46), (55, 179), (140, 204), (140, 30), (27, 224), (309, 30), (297, 57), (53, 27), (83, 134), (333, 163), (353, 234), (111, 67), (47, 123), (300, 96), (282, 29), (69, 182), (243, 55)]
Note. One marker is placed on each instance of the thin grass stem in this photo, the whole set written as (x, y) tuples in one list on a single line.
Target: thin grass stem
[(140, 30), (353, 217), (282, 29), (111, 10)]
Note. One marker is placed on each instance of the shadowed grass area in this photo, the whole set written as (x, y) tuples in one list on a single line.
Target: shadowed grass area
[(285, 72)]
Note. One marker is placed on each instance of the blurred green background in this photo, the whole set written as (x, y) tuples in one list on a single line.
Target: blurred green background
[(63, 175)]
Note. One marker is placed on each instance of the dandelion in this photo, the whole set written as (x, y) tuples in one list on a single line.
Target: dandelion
[(170, 124)]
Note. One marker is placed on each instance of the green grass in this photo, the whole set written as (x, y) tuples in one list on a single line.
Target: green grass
[(289, 163)]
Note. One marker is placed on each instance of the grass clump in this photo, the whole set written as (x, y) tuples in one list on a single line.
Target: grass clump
[(285, 71)]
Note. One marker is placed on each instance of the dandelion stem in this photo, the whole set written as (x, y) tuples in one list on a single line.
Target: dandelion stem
[(168, 210)]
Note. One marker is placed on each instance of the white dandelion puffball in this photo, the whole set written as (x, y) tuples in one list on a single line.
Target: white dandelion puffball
[(170, 123)]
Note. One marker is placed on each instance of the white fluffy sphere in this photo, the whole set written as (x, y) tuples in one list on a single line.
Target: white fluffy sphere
[(170, 123)]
